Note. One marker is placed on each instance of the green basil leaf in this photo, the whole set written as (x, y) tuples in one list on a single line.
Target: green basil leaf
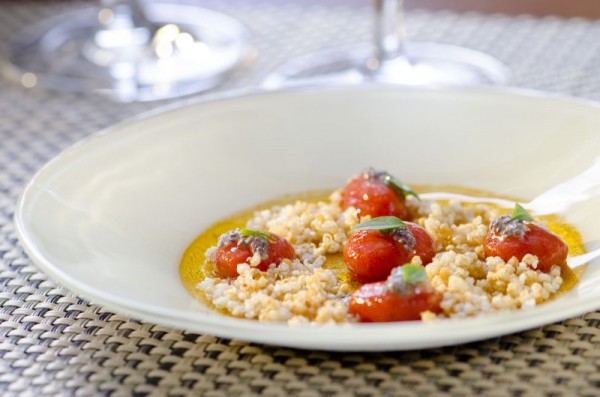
[(382, 223), (520, 214), (256, 233), (413, 274), (401, 188)]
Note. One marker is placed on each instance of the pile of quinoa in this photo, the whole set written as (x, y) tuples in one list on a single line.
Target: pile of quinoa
[(302, 291)]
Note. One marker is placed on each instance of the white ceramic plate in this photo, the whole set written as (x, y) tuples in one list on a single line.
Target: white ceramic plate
[(111, 217)]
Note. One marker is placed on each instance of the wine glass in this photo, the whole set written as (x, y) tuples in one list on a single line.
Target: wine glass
[(391, 60), (129, 51)]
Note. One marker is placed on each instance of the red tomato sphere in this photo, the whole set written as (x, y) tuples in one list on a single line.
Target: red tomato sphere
[(375, 303), (371, 255), (373, 197), (424, 246), (229, 256), (548, 247)]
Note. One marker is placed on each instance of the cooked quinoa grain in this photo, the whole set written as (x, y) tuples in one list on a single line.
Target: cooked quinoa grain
[(304, 290)]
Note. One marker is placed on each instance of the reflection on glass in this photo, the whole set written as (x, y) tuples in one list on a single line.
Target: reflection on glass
[(129, 52)]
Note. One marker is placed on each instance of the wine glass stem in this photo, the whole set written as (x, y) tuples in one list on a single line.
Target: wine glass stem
[(123, 23), (390, 34), (132, 9)]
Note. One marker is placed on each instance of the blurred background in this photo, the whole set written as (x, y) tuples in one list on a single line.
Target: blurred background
[(572, 8)]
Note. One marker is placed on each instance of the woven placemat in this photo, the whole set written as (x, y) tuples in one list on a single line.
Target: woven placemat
[(53, 342)]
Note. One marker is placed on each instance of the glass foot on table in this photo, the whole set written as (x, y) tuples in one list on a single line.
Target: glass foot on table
[(183, 50), (424, 64)]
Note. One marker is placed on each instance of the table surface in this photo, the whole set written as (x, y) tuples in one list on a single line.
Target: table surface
[(53, 342)]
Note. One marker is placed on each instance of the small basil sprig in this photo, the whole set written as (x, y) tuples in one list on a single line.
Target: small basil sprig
[(413, 274), (256, 233), (382, 224), (520, 214), (401, 188)]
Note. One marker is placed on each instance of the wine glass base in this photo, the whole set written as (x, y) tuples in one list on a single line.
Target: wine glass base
[(425, 64), (57, 54)]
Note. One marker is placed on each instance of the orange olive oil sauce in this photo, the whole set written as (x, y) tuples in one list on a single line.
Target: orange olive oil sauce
[(194, 268)]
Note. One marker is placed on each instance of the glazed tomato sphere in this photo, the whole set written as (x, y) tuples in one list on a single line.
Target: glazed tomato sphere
[(373, 197), (424, 246), (371, 255), (547, 246), (229, 256), (375, 303)]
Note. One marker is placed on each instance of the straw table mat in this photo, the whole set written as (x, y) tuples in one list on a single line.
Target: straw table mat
[(53, 342)]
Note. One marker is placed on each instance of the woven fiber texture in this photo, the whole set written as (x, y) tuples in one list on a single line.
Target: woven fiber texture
[(53, 342)]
